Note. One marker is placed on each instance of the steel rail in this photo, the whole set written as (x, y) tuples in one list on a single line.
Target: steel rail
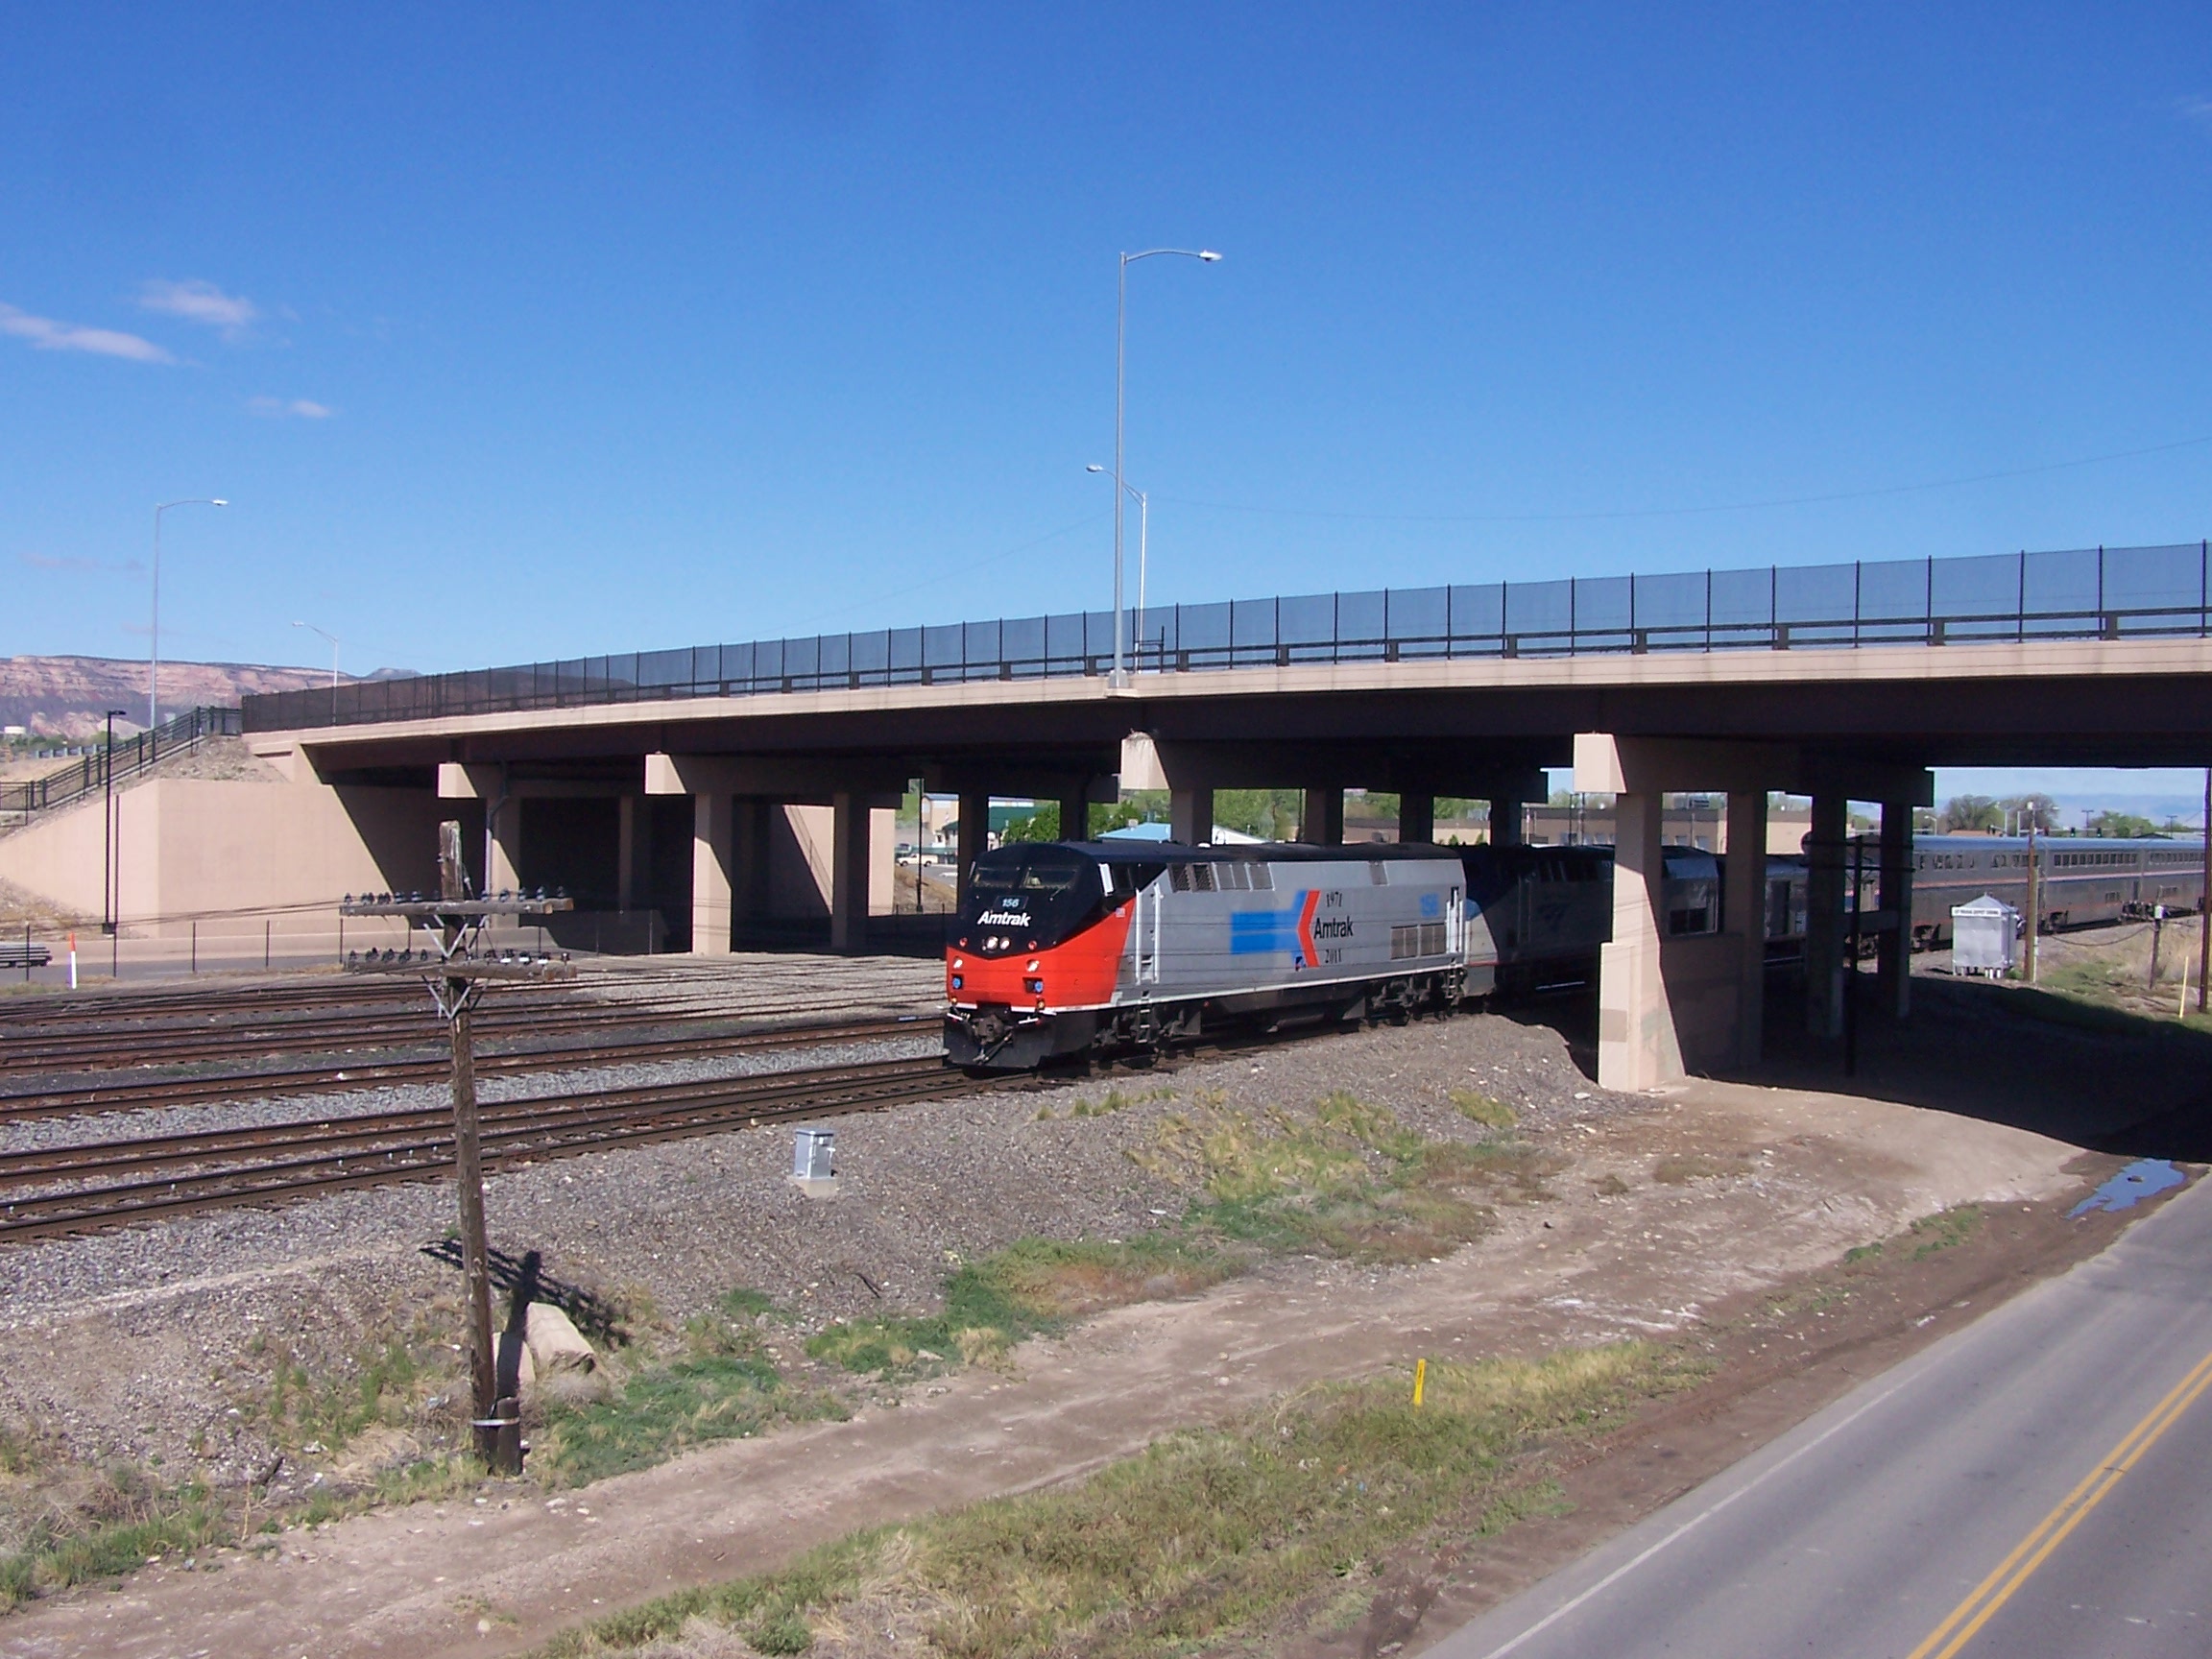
[(127, 1049), (620, 1117), (156, 1093), (39, 1051)]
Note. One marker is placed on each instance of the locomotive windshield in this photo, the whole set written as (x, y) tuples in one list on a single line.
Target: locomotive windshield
[(1030, 893)]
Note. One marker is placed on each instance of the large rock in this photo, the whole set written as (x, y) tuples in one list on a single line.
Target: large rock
[(555, 1344)]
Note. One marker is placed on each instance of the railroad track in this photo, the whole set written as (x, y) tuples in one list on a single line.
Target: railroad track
[(40, 1051), (334, 991), (120, 1183), (150, 1092)]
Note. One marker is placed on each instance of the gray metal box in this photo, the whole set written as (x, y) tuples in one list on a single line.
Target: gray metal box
[(1984, 937), (811, 1154)]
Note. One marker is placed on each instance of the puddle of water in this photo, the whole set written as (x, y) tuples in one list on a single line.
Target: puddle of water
[(2130, 1187)]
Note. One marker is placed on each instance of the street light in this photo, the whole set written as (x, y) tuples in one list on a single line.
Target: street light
[(1143, 520), (154, 662), (333, 638), (1206, 256), (110, 898)]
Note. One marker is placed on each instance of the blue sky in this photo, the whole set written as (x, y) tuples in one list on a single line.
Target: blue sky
[(535, 331)]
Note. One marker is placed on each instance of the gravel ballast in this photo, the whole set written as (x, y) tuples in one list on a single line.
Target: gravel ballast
[(139, 1343)]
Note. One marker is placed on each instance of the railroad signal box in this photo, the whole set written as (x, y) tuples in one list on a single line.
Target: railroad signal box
[(1984, 937)]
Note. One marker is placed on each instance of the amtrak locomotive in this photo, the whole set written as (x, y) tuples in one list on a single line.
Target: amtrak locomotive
[(1074, 945), (1068, 948)]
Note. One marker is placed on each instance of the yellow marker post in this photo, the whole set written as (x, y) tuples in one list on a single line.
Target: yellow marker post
[(1420, 1382)]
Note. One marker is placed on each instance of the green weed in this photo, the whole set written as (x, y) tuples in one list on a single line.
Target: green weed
[(1945, 1229), (721, 1386), (1033, 1285), (1483, 1109)]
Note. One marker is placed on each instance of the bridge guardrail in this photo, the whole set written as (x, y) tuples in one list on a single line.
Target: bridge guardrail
[(2089, 594)]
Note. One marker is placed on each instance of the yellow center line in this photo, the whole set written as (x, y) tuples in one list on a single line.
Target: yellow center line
[(2032, 1552)]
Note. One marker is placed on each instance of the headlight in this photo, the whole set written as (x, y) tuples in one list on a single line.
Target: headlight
[(957, 981), (1035, 987)]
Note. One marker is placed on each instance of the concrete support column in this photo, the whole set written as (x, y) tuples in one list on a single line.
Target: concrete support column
[(851, 822), (1416, 816), (1504, 822), (1190, 816), (753, 823), (1074, 815), (711, 872), (1826, 856), (503, 845), (1321, 823), (1743, 911), (1895, 959), (972, 835), (1637, 1048), (633, 852)]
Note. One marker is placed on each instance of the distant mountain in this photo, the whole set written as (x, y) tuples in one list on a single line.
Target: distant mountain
[(66, 696)]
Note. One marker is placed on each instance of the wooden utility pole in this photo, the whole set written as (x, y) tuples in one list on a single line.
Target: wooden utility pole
[(457, 973), (469, 1159), (2205, 900)]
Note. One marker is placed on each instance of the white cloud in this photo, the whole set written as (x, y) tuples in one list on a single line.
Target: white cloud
[(291, 408), (48, 335), (198, 301)]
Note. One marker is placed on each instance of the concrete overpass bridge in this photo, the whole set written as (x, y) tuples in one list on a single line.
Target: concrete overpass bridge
[(666, 770)]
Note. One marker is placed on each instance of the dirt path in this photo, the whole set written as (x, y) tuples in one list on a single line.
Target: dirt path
[(1763, 1184)]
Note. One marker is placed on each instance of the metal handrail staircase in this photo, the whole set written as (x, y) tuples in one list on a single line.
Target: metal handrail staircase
[(180, 734)]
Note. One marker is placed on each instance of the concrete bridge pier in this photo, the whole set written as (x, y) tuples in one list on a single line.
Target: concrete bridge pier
[(1893, 963), (1827, 874), (1191, 814), (713, 871), (632, 850), (971, 837), (489, 783), (1670, 1005), (1321, 820), (1416, 815), (851, 820)]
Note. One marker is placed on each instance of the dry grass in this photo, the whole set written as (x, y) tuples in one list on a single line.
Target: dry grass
[(1346, 1178), (1679, 1169), (1208, 1536)]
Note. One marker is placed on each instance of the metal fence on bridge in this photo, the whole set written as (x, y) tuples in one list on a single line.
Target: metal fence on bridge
[(2091, 593)]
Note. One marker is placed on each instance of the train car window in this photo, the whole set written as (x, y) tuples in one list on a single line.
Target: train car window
[(1045, 870), (1232, 878), (1263, 878)]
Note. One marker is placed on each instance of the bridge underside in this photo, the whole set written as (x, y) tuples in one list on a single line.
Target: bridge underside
[(726, 815)]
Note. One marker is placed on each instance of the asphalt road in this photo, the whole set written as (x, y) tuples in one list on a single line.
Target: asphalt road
[(2037, 1484)]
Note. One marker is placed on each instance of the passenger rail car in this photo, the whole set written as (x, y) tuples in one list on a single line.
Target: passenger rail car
[(1069, 947), (2084, 879)]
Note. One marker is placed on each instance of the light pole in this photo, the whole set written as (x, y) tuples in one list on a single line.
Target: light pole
[(1144, 523), (111, 905), (154, 661), (333, 638), (1121, 405)]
